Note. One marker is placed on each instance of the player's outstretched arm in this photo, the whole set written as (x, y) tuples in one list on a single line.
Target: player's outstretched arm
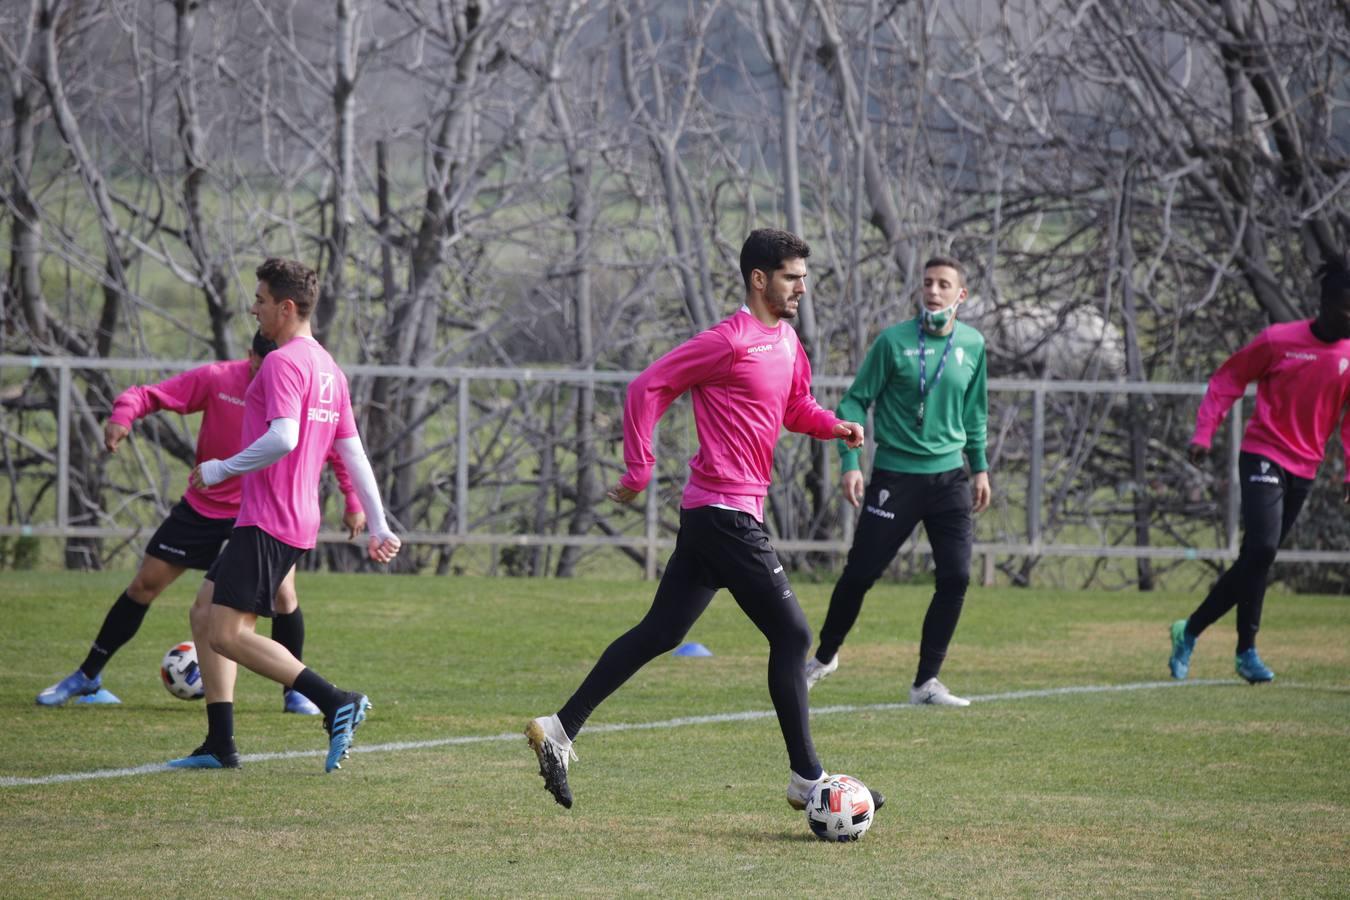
[(384, 544), (649, 395), (1228, 383), (186, 392), (281, 437)]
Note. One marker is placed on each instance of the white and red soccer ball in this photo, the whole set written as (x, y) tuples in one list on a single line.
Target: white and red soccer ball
[(839, 808), (180, 673)]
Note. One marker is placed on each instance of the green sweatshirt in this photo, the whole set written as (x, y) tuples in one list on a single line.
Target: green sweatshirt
[(956, 411)]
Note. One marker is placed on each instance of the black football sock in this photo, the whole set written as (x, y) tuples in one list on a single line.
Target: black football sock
[(288, 630), (119, 626), (320, 691), (220, 726)]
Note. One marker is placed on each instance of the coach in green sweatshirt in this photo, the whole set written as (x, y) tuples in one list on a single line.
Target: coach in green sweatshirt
[(926, 377)]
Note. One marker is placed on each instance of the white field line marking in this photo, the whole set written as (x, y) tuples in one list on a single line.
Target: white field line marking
[(749, 715)]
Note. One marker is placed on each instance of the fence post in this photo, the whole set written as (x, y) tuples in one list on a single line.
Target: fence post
[(462, 460), (63, 381), (1036, 475)]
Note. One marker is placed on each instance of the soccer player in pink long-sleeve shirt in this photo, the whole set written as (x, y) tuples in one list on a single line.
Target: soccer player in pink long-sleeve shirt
[(749, 378), (198, 525), (1302, 375)]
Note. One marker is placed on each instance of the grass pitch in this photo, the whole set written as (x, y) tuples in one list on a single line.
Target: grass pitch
[(1156, 790)]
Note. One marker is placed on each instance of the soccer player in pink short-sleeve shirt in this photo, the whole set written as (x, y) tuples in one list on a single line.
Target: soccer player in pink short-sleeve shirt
[(749, 378), (295, 412), (1302, 375)]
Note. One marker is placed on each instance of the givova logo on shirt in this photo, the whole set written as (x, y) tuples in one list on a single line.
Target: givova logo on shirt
[(317, 414)]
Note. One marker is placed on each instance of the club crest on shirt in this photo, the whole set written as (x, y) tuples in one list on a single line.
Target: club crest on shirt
[(960, 356), (1342, 366)]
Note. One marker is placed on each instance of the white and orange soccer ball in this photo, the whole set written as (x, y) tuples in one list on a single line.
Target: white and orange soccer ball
[(180, 673), (839, 809)]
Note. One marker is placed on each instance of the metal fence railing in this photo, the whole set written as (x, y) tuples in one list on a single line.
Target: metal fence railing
[(497, 439)]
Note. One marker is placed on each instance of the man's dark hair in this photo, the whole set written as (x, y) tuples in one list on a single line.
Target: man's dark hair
[(767, 249), (287, 279), (950, 262), (1335, 278), (261, 345)]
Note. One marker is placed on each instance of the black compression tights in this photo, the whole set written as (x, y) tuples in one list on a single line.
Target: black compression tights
[(713, 553)]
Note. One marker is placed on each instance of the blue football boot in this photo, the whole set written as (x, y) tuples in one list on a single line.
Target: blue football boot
[(204, 757), (298, 703), (76, 684), (341, 726), (1250, 667), (1182, 645)]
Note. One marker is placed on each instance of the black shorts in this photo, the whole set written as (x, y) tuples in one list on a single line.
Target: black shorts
[(189, 539), (724, 548), (248, 573)]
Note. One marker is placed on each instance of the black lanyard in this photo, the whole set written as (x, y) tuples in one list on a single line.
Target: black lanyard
[(923, 368)]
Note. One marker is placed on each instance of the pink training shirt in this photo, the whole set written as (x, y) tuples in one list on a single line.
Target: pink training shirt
[(749, 380), (215, 390), (298, 381), (1302, 389)]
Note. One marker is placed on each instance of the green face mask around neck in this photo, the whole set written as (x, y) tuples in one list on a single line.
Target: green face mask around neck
[(937, 319)]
